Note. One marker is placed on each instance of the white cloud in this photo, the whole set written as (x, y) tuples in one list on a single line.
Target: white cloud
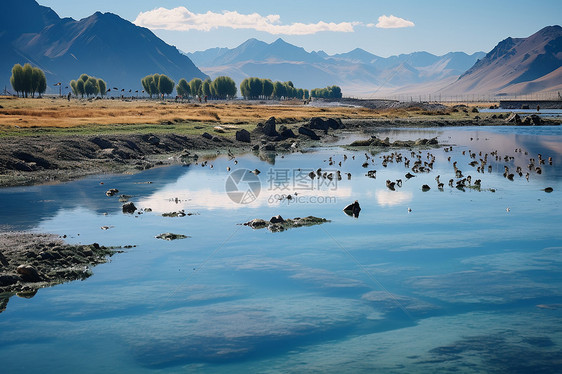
[(181, 19), (392, 22)]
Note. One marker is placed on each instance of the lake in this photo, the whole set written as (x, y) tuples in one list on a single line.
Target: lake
[(451, 279)]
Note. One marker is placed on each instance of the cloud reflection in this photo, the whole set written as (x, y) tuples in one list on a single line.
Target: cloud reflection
[(392, 198)]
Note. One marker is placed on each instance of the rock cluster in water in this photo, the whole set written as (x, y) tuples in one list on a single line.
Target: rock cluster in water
[(278, 223)]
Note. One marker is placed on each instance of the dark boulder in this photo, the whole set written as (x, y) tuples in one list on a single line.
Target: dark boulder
[(353, 209), (129, 208), (243, 136), (277, 219), (102, 143), (308, 132), (513, 118), (269, 128), (206, 135), (28, 273), (318, 123), (285, 133)]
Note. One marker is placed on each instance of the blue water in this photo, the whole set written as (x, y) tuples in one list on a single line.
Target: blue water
[(434, 281)]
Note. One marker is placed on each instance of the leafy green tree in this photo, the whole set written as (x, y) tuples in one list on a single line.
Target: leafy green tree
[(165, 85), (84, 77), (27, 79), (183, 88), (279, 90), (224, 87), (267, 88), (196, 86), (146, 84), (80, 87), (91, 86), (206, 88), (17, 79), (102, 87)]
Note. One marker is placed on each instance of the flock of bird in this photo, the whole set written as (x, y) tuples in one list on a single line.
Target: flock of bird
[(418, 162)]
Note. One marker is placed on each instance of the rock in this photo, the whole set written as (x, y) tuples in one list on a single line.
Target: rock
[(269, 127), (532, 120), (243, 135), (8, 280), (268, 147), (276, 219), (325, 124), (425, 188), (206, 135), (548, 189), (255, 147), (181, 213), (256, 223), (3, 260), (513, 118), (308, 132), (129, 208), (112, 191), (28, 273), (278, 224), (353, 209), (361, 143), (153, 140), (102, 143), (286, 133), (170, 236)]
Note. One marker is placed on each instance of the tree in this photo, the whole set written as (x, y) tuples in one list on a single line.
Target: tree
[(80, 87), (279, 90), (183, 88), (102, 87), (17, 79), (91, 86), (147, 84), (165, 85), (196, 86), (267, 88), (206, 88), (224, 87), (27, 79)]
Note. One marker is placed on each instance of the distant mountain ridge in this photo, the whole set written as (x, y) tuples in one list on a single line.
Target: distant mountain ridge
[(355, 71), (102, 45), (517, 65)]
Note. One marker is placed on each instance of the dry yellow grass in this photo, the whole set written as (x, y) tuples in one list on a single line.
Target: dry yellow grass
[(61, 113)]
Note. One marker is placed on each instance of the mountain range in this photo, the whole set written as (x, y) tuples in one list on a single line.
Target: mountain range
[(357, 71), (109, 47), (102, 45), (517, 65)]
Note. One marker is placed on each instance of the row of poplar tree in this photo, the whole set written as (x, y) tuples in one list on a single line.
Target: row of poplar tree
[(27, 80)]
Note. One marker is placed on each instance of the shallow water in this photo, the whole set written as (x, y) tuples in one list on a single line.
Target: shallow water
[(459, 283)]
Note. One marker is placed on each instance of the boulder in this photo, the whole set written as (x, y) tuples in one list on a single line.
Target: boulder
[(111, 191), (269, 128), (513, 118), (170, 236), (353, 209), (286, 133), (308, 132), (129, 208), (268, 147), (277, 219), (325, 124), (206, 135), (532, 120), (256, 223), (243, 135), (8, 280), (28, 273), (3, 260)]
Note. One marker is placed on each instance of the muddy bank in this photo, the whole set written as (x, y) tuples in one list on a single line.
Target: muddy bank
[(28, 160), (30, 261)]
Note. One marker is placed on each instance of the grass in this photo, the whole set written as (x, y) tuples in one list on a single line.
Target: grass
[(57, 116)]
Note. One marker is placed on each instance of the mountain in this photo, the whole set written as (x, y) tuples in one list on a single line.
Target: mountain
[(102, 45), (517, 66), (358, 72)]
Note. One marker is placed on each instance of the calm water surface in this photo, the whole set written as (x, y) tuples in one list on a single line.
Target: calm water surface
[(467, 281)]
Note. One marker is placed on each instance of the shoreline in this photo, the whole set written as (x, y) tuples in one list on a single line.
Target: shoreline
[(44, 159)]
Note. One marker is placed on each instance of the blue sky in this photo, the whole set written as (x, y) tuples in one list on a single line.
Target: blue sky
[(381, 27)]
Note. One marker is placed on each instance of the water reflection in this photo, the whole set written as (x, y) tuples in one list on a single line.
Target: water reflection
[(392, 291)]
